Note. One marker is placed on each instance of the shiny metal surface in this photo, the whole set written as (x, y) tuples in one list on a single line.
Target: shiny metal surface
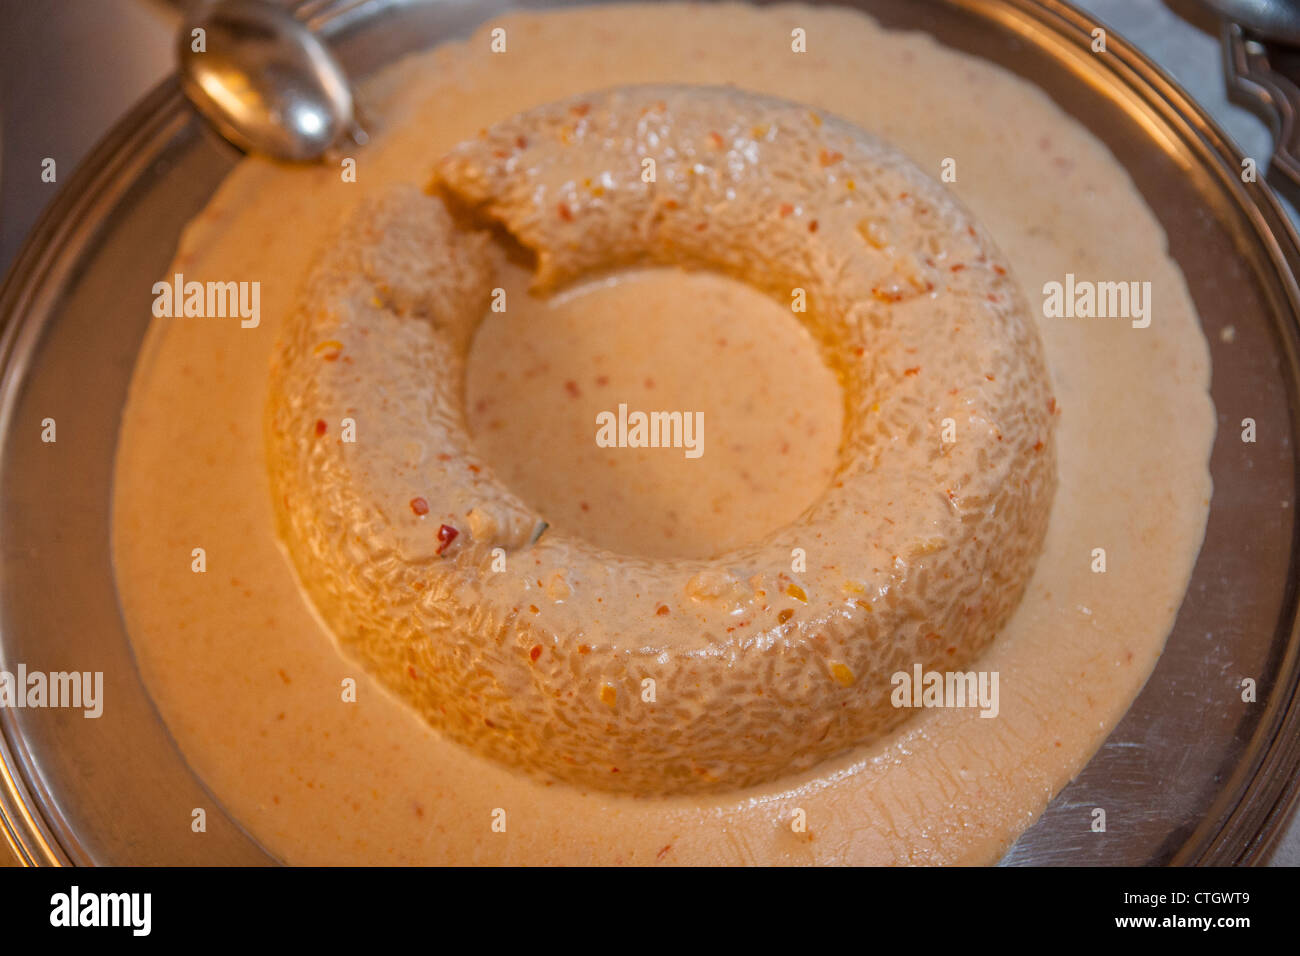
[(1192, 774), (264, 80), (1264, 77), (1269, 19)]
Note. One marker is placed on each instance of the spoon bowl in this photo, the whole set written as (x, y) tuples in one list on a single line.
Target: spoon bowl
[(264, 80)]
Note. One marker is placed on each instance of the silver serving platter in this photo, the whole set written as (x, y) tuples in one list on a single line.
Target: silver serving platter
[(1197, 775)]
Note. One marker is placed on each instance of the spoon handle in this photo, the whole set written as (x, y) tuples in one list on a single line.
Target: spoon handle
[(305, 10)]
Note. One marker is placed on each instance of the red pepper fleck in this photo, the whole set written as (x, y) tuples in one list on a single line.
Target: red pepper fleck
[(664, 852), (812, 226), (912, 371), (321, 427), (717, 140), (582, 109), (1038, 446), (584, 649), (565, 212), (999, 270), (829, 157), (521, 142), (535, 653), (572, 388), (446, 534), (419, 506), (786, 209), (662, 610), (410, 669)]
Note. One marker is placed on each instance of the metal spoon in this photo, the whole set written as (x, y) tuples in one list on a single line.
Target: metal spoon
[(265, 81)]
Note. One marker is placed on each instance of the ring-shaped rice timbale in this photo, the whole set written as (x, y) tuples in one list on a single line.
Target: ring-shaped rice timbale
[(659, 676)]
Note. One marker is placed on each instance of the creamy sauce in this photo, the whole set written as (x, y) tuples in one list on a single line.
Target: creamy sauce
[(249, 683), (656, 340)]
